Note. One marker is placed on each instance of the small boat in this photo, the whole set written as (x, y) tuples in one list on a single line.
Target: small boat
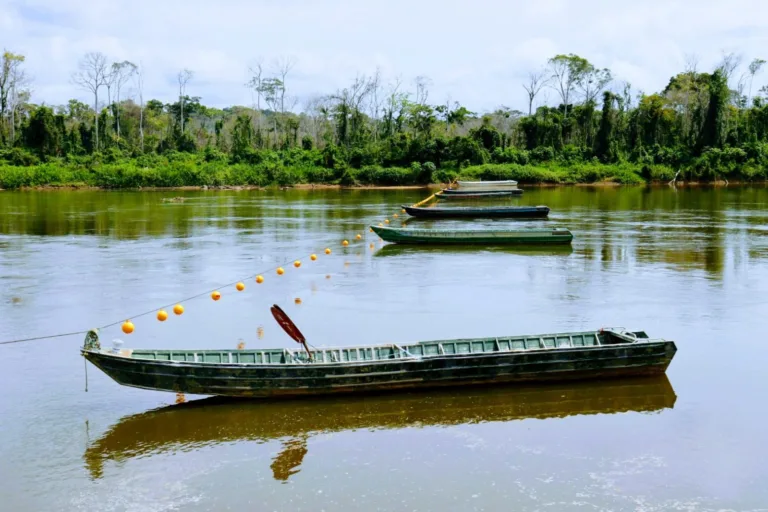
[(474, 236), (209, 422), (611, 352), (487, 186), (450, 193), (525, 212), (477, 194)]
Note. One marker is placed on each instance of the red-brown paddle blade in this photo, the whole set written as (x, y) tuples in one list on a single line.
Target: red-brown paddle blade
[(287, 324)]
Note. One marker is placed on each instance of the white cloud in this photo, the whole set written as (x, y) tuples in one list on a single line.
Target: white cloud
[(477, 52)]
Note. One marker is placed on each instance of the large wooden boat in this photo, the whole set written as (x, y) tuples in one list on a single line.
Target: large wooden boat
[(358, 369), (436, 212), (474, 236), (487, 186), (208, 422)]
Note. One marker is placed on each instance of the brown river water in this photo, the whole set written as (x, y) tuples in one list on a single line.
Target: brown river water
[(689, 265)]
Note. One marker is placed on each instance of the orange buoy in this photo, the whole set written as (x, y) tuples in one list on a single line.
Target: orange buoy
[(240, 287), (313, 257), (327, 276), (345, 243), (395, 215), (381, 225), (297, 301), (280, 271), (386, 221), (297, 263), (403, 210), (358, 236), (162, 315), (178, 309), (327, 251), (216, 295), (370, 230), (259, 279), (371, 246), (127, 327)]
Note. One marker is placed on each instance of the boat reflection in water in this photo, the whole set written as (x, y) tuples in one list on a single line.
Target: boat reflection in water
[(212, 421)]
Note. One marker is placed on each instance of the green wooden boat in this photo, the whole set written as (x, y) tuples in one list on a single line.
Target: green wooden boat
[(474, 236), (209, 422), (359, 369)]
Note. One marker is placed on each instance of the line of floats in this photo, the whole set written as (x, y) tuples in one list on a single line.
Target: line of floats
[(283, 372)]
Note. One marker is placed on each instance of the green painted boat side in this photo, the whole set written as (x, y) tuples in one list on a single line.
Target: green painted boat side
[(286, 372), (213, 421), (474, 236), (437, 212)]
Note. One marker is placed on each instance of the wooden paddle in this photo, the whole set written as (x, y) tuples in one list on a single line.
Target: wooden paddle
[(290, 328)]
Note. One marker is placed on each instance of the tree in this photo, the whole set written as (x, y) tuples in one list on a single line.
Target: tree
[(605, 135), (12, 80), (284, 66), (183, 77), (535, 82), (754, 68), (122, 72), (592, 81), (91, 75), (713, 129), (567, 71), (422, 89), (140, 87)]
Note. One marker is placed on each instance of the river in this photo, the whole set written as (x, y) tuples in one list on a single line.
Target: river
[(689, 265)]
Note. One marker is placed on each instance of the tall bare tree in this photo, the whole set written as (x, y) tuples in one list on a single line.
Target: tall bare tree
[(140, 87), (122, 72), (754, 68), (91, 76), (422, 89), (12, 80), (566, 71), (183, 77), (728, 64), (283, 66), (533, 85)]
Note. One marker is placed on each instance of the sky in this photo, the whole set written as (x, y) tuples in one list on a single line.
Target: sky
[(475, 52)]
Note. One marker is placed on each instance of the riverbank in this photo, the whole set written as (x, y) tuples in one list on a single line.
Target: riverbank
[(192, 175)]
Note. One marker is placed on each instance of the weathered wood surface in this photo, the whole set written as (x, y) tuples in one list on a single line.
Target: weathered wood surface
[(253, 373), (474, 236)]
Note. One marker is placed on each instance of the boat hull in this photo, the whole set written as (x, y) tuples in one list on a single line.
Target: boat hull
[(286, 380), (449, 193), (516, 212), (483, 237), (487, 186)]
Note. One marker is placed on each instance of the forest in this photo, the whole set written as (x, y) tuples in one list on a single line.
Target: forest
[(704, 126)]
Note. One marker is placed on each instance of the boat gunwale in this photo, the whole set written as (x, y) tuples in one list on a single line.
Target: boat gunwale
[(353, 364), (551, 231)]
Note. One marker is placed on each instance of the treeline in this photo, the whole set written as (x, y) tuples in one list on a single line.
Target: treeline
[(702, 126)]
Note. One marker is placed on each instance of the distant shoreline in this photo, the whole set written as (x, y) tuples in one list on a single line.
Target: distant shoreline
[(325, 186)]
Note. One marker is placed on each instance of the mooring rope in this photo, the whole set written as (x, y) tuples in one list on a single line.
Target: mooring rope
[(153, 310)]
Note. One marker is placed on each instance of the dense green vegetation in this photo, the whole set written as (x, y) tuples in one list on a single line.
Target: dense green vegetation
[(698, 128)]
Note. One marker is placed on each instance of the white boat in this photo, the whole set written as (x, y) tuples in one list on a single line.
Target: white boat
[(487, 186)]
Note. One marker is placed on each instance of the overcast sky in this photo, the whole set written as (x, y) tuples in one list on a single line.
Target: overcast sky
[(475, 52)]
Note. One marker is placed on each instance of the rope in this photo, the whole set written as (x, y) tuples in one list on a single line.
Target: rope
[(43, 337), (153, 310)]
